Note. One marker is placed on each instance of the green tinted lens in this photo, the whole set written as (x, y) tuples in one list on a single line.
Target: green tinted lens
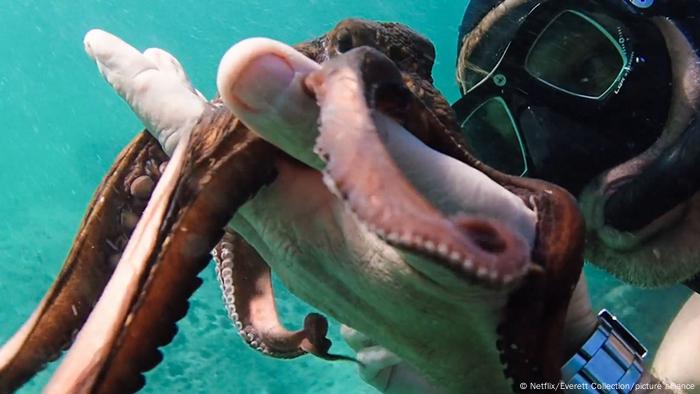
[(576, 54), (493, 136)]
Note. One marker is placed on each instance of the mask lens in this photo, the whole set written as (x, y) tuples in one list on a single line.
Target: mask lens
[(577, 55), (493, 135)]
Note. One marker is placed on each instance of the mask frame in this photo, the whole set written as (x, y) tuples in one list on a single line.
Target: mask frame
[(617, 125)]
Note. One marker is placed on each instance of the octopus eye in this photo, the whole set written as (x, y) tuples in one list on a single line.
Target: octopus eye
[(344, 41), (397, 53)]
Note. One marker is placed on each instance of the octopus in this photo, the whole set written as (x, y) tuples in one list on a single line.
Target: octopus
[(355, 188)]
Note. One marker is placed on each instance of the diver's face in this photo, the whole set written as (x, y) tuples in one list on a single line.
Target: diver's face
[(664, 251), (662, 248), (573, 92)]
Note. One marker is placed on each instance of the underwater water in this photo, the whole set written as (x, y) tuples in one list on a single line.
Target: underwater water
[(62, 126)]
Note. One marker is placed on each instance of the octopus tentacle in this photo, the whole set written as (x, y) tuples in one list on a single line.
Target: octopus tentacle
[(246, 285), (205, 182), (531, 329), (531, 326), (377, 191), (110, 219), (119, 290)]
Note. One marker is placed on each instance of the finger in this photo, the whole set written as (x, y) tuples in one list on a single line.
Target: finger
[(355, 339), (376, 358), (163, 99), (260, 81), (168, 64), (118, 61), (390, 374)]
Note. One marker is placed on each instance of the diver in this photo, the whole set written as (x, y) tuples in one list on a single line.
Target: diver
[(599, 97)]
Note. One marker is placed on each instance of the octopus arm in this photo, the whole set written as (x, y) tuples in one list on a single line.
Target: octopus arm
[(362, 169), (362, 172), (108, 223), (206, 180), (246, 285)]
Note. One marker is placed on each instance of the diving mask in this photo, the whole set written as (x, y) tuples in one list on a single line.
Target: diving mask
[(563, 90)]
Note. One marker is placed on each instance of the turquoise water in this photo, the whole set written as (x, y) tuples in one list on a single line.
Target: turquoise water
[(62, 126)]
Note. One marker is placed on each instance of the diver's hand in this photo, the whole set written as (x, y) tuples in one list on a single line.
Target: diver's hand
[(673, 362), (676, 359), (389, 374), (384, 370), (153, 83)]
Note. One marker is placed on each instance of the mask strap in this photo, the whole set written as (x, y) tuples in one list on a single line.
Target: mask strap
[(694, 283), (473, 14)]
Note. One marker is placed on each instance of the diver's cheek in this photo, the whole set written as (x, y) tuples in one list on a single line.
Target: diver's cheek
[(260, 81)]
